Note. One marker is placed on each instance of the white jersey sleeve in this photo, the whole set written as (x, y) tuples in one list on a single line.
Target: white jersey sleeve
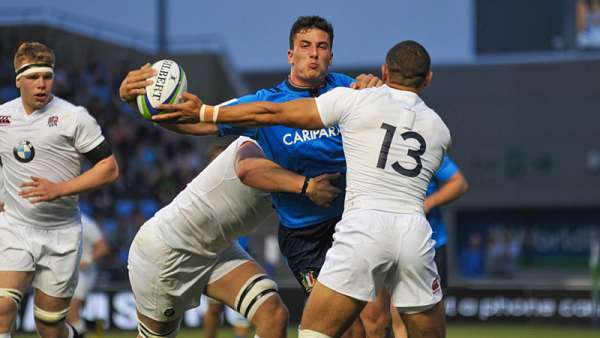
[(335, 105), (86, 132), (1, 186), (214, 209)]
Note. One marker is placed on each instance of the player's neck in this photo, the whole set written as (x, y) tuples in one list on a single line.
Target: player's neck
[(30, 109), (404, 88), (303, 84)]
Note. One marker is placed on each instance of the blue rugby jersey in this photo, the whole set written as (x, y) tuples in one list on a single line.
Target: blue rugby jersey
[(306, 152), (447, 169)]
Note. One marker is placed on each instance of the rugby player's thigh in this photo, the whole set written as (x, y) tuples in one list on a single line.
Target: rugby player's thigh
[(57, 262), (414, 284), (361, 255), (166, 282), (15, 251)]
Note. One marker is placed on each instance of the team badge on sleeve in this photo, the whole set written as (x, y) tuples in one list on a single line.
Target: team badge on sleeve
[(24, 152)]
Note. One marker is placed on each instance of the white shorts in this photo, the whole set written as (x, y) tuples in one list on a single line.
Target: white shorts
[(166, 282), (51, 254), (85, 283), (374, 249)]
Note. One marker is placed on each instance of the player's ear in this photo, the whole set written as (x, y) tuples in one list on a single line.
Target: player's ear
[(384, 73), (18, 83), (331, 59), (290, 56), (428, 79)]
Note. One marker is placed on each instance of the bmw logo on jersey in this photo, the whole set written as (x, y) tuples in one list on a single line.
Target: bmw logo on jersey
[(24, 152)]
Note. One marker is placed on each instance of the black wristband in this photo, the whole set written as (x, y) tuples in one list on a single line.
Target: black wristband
[(305, 185)]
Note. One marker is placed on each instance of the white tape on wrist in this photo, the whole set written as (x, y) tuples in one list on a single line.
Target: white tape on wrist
[(202, 111), (215, 113)]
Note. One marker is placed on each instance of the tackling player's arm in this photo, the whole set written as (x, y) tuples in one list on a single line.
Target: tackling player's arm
[(256, 171), (300, 113), (105, 170)]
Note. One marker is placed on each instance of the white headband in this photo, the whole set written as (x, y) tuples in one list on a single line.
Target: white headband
[(31, 68)]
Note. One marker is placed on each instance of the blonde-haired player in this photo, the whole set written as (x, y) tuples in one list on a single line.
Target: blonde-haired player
[(43, 141)]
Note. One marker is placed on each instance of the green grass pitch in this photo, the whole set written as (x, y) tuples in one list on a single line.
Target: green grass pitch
[(454, 331)]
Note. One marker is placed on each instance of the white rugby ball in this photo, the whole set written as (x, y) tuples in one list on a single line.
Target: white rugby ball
[(167, 86)]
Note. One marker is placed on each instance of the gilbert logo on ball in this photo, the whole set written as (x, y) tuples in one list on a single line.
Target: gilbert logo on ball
[(167, 86)]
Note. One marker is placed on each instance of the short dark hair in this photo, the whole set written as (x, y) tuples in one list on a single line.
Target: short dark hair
[(408, 63), (310, 22)]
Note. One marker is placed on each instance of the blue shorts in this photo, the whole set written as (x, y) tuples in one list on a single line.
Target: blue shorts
[(304, 250), (441, 260)]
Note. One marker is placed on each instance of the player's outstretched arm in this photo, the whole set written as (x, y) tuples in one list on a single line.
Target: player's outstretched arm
[(40, 189), (198, 129), (300, 113), (256, 171)]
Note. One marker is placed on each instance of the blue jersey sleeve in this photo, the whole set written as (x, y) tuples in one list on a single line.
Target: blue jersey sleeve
[(227, 129), (342, 80), (446, 170)]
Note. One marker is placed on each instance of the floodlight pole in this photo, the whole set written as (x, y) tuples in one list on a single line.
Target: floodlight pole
[(162, 40)]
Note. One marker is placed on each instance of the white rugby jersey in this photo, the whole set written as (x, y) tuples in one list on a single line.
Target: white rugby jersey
[(214, 209), (393, 144), (47, 144), (90, 235), (1, 186)]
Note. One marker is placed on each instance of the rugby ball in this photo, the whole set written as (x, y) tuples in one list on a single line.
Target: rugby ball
[(167, 86)]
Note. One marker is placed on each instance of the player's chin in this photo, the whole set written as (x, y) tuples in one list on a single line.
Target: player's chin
[(39, 103), (315, 74)]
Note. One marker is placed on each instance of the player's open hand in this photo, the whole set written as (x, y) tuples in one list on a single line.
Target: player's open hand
[(187, 111), (40, 190), (366, 81), (320, 190), (135, 83)]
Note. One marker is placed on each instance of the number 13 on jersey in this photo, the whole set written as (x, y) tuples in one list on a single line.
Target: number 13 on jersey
[(390, 130)]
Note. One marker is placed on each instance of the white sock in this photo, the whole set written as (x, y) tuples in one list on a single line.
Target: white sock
[(311, 334), (71, 331), (79, 326)]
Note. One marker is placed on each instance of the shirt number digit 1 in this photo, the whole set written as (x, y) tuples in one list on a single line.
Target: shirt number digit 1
[(416, 154)]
